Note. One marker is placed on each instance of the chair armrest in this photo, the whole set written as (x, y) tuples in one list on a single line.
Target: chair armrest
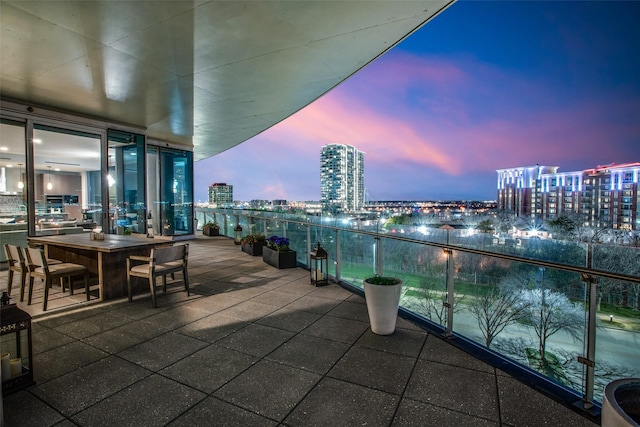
[(140, 258)]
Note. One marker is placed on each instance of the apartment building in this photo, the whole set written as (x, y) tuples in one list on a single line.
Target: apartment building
[(605, 195), (341, 178), (221, 195)]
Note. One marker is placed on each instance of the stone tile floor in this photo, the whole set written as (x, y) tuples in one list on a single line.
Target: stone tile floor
[(255, 346)]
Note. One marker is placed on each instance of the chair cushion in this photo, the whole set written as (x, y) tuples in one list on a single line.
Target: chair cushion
[(140, 269), (64, 268)]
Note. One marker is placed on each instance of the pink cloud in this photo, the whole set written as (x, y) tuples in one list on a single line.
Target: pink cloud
[(384, 139)]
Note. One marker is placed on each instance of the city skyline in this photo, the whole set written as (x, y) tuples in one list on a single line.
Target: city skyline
[(484, 86)]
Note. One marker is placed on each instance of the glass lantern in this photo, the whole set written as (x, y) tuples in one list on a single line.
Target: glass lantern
[(15, 347), (318, 270), (237, 234)]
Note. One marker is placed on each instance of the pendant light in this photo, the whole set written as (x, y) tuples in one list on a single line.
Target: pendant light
[(49, 184), (20, 183)]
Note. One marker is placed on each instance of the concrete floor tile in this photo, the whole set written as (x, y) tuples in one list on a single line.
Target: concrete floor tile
[(214, 412), (212, 328), (419, 414), (256, 340), (162, 351), (522, 406), (439, 350), (210, 368), (24, 409), (248, 311), (61, 360), (313, 304), (129, 335), (276, 298), (402, 341), (177, 317), (269, 389), (388, 372), (350, 310), (154, 400), (289, 319), (45, 339), (337, 329), (92, 325), (89, 384), (462, 390), (337, 403), (309, 353)]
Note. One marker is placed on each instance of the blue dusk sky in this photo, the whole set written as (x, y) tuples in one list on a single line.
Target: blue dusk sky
[(485, 85)]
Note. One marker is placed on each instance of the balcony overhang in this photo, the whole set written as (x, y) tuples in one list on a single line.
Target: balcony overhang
[(207, 74)]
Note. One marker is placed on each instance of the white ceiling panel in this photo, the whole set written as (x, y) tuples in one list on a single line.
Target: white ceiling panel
[(207, 74)]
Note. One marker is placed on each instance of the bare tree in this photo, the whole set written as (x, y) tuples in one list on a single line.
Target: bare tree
[(496, 309), (548, 313), (430, 302)]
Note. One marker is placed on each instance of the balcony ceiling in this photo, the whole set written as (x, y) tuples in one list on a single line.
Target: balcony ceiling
[(211, 74)]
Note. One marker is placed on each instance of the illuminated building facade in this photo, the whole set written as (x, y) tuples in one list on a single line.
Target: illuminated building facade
[(341, 178), (603, 196)]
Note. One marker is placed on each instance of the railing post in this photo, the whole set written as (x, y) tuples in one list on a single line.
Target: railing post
[(251, 224), (265, 228), (226, 225), (378, 255), (337, 260), (589, 359), (450, 297), (308, 245)]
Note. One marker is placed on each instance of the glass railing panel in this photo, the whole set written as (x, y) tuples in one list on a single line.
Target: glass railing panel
[(297, 235), (275, 228), (327, 239), (425, 288), (533, 315), (617, 259), (617, 333), (357, 253)]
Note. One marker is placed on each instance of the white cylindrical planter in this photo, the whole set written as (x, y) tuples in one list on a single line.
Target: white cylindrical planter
[(621, 403), (382, 306)]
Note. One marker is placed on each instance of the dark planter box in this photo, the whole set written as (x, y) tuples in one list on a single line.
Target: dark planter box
[(210, 231), (253, 249), (279, 259)]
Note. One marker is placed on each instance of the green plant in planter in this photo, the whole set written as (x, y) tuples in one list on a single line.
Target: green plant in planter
[(251, 239), (382, 280), (210, 229)]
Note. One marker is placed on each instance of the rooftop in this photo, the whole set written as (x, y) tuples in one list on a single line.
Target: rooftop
[(254, 345)]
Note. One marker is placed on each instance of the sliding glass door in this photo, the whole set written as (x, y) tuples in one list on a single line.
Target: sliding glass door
[(66, 180), (127, 206), (170, 180)]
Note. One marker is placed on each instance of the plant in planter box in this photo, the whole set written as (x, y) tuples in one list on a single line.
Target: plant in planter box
[(211, 229), (383, 299), (278, 254), (253, 244)]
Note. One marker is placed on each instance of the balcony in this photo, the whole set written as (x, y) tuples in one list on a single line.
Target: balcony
[(253, 345), (596, 283)]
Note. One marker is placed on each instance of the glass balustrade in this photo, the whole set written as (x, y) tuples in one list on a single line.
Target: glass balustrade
[(567, 313)]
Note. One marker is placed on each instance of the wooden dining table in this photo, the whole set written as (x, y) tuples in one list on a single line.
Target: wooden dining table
[(105, 259)]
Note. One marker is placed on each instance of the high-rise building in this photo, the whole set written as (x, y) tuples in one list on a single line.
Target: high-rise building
[(603, 196), (221, 195), (519, 189), (341, 178)]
